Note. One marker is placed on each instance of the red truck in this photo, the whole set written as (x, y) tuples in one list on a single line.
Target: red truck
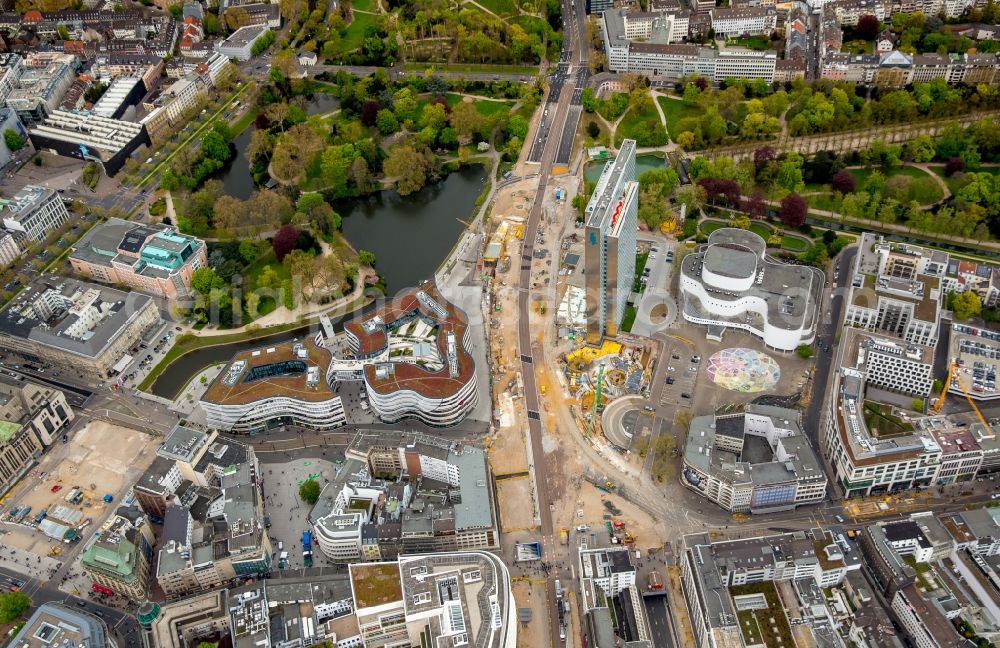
[(655, 584)]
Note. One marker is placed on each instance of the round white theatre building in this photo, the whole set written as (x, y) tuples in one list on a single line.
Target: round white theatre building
[(731, 282)]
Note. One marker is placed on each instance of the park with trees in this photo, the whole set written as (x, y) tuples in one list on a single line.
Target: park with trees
[(283, 247), (699, 116), (386, 32)]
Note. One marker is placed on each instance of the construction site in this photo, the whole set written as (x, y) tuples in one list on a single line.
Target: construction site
[(74, 487)]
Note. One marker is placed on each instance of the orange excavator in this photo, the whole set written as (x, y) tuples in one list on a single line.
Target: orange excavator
[(936, 407)]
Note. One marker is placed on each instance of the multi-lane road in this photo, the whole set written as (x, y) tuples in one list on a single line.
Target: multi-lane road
[(544, 151), (123, 624)]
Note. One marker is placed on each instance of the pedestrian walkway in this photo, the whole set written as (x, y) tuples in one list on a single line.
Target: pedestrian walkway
[(28, 563), (300, 313)]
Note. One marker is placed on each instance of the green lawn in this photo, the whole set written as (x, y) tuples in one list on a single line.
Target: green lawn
[(924, 190), (484, 106), (244, 122), (751, 42), (640, 264), (355, 32), (709, 226), (364, 5), (826, 202), (642, 125), (628, 319), (675, 110), (761, 229), (790, 242), (794, 243), (955, 182), (858, 47), (502, 8)]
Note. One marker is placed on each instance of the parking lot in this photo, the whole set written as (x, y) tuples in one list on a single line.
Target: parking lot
[(148, 356), (100, 459), (289, 515), (681, 375)]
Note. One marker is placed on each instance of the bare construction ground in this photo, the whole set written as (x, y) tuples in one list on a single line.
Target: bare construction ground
[(596, 505), (516, 510), (531, 595), (100, 459)]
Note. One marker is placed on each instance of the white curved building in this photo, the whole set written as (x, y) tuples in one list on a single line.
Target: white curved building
[(413, 357), (280, 385), (731, 282)]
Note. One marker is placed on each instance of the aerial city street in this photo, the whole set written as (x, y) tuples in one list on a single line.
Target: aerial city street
[(505, 323)]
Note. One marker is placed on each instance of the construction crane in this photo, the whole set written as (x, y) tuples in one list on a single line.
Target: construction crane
[(987, 429), (600, 385)]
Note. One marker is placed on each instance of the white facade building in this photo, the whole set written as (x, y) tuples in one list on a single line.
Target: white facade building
[(896, 289), (610, 568), (731, 282), (240, 44), (9, 249), (663, 55), (34, 212), (737, 21), (274, 386), (413, 356)]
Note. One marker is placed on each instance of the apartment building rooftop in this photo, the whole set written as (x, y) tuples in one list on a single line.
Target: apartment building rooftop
[(114, 551), (797, 458), (739, 13), (245, 35), (426, 508), (460, 592), (605, 205), (75, 316), (182, 444)]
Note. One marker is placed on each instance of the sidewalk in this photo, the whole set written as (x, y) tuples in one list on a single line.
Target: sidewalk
[(28, 563)]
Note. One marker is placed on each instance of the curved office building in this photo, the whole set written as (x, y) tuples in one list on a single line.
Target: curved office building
[(731, 282), (273, 386), (414, 359)]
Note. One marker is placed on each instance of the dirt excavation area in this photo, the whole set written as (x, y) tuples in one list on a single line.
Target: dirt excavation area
[(595, 508), (99, 459)]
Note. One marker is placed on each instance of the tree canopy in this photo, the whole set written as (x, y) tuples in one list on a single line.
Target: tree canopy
[(309, 491)]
